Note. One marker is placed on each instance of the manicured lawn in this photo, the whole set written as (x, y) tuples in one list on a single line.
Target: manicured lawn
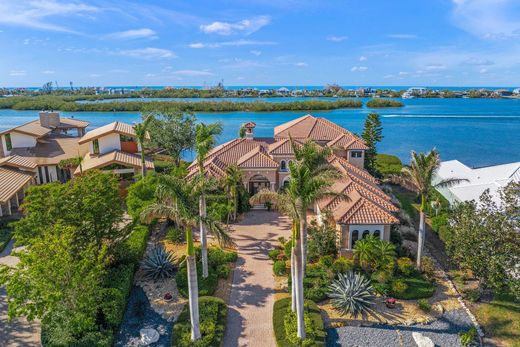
[(418, 288), (5, 237), (501, 319)]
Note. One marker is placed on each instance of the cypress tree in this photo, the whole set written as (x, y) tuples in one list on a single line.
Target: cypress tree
[(372, 135)]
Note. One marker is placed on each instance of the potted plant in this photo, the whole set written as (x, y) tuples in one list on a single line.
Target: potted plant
[(390, 302), (268, 205), (168, 297)]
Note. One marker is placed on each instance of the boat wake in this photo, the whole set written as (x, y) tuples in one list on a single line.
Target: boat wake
[(448, 116)]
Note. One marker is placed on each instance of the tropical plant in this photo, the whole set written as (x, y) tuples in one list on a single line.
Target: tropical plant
[(205, 139), (141, 134), (372, 135), (176, 201), (351, 293), (158, 264), (419, 177), (232, 183), (374, 254)]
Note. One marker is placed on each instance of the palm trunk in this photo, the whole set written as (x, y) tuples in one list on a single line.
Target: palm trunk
[(298, 279), (293, 268), (421, 234), (193, 288), (203, 235), (143, 162), (235, 205), (303, 237)]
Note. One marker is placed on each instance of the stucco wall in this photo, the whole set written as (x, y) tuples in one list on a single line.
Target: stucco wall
[(19, 140), (269, 174), (358, 162), (107, 144)]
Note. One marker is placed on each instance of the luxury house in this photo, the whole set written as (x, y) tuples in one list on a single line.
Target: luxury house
[(31, 154), (264, 164)]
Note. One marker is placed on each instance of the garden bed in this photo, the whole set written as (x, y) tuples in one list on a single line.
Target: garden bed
[(316, 333), (5, 236), (212, 313), (418, 287)]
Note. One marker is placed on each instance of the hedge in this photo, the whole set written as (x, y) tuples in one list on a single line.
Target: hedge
[(212, 319), (418, 287), (5, 237), (282, 308), (131, 250)]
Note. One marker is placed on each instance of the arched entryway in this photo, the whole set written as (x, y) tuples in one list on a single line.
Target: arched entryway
[(257, 183)]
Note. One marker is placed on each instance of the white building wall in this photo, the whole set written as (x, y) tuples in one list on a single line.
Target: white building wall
[(107, 144), (4, 146), (361, 228), (19, 140), (53, 174)]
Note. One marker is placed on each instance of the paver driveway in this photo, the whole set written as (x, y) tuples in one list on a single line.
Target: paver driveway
[(249, 321)]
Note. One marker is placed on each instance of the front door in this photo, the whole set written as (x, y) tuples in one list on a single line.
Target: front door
[(257, 183)]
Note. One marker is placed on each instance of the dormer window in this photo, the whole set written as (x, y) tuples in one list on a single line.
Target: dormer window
[(356, 154), (8, 143), (283, 166), (95, 146)]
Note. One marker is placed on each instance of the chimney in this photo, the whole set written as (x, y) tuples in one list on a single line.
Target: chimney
[(49, 119), (249, 126)]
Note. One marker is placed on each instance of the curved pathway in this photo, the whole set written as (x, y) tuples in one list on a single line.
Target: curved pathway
[(250, 308)]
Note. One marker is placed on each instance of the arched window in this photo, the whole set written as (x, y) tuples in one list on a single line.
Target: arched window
[(365, 234), (283, 166), (377, 234), (355, 237)]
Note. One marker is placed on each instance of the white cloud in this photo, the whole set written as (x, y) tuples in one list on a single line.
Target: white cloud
[(301, 64), (483, 70), (402, 36), (236, 43), (257, 53), (148, 75), (388, 76), (491, 19), (478, 61), (17, 73), (144, 33), (359, 68), (336, 38), (37, 14), (402, 73), (148, 53), (48, 72), (193, 73), (246, 26), (95, 75), (435, 67), (362, 58)]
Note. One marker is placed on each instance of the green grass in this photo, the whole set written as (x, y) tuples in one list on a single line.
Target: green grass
[(281, 308), (418, 288), (407, 204), (501, 319), (212, 318), (5, 237), (387, 164)]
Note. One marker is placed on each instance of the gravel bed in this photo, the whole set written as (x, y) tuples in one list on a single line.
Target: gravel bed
[(139, 314), (443, 332)]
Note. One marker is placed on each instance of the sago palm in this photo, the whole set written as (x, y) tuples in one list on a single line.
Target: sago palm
[(205, 139), (141, 130), (176, 201), (418, 177)]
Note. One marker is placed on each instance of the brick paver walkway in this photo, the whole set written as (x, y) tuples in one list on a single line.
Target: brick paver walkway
[(249, 321)]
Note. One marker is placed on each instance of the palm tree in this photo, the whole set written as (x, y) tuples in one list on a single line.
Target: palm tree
[(418, 177), (232, 182), (205, 139), (315, 175), (141, 130), (176, 201)]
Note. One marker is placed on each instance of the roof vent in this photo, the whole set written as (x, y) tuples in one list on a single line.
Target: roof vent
[(249, 126)]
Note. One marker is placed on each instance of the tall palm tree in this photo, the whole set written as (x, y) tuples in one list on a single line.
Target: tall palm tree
[(176, 201), (232, 182), (141, 129), (205, 139), (316, 173), (418, 177)]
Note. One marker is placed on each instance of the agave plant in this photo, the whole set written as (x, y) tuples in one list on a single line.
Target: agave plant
[(158, 264), (351, 293)]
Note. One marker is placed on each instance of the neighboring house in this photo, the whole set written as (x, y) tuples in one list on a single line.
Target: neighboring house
[(478, 180), (31, 153), (264, 163)]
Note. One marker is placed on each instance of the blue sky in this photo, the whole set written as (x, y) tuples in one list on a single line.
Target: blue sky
[(260, 42)]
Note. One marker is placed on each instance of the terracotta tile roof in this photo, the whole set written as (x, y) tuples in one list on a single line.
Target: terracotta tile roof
[(344, 166), (249, 125), (72, 122), (115, 127), (347, 141), (18, 162), (359, 210), (310, 127), (256, 158), (282, 147), (52, 149), (11, 181), (114, 157)]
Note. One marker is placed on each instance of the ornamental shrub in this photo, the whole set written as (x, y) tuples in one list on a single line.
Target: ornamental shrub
[(175, 235), (326, 260), (279, 267), (468, 337), (424, 305), (405, 266), (399, 287), (342, 265), (273, 254), (428, 267)]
